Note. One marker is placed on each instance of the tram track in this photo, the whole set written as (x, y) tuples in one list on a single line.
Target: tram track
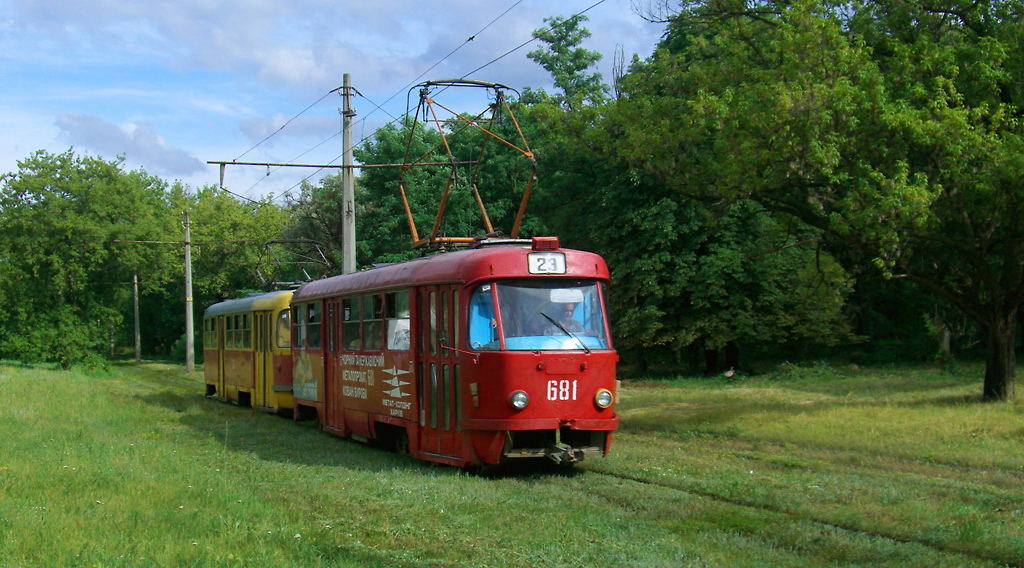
[(778, 509)]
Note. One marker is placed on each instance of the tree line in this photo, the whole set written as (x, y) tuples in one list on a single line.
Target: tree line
[(777, 181)]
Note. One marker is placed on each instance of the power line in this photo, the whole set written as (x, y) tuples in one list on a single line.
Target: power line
[(290, 162), (528, 42), (443, 59), (380, 107), (269, 136)]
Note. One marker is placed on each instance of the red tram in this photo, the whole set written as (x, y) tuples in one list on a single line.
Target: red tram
[(471, 357)]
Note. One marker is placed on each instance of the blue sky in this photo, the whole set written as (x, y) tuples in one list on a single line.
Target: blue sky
[(171, 85)]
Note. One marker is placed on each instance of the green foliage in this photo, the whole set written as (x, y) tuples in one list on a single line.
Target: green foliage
[(66, 267), (568, 63), (317, 214), (74, 232), (685, 273), (893, 128), (229, 256), (232, 237), (382, 225), (710, 277)]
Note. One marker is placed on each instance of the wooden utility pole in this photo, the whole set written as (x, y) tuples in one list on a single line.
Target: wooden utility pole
[(190, 348), (348, 222)]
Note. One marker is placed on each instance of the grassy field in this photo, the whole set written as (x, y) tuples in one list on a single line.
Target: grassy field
[(806, 467)]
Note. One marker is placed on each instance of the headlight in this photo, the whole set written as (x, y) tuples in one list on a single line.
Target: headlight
[(519, 400), (603, 398)]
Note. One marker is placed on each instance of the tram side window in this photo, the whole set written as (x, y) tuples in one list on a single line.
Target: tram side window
[(350, 324), (313, 318), (372, 311), (299, 329), (396, 313), (432, 302), (229, 332), (284, 331), (210, 333), (246, 331)]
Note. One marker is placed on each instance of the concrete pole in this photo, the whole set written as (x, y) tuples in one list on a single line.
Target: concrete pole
[(348, 227), (135, 298), (190, 348)]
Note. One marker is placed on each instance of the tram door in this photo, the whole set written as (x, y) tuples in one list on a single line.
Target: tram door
[(221, 363), (264, 358), (437, 370), (334, 412)]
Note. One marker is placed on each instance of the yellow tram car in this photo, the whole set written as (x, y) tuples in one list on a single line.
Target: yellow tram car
[(247, 351)]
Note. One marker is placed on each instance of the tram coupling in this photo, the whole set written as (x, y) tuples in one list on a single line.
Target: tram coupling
[(564, 454)]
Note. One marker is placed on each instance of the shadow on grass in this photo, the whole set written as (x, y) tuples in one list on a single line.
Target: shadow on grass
[(274, 438), (280, 439)]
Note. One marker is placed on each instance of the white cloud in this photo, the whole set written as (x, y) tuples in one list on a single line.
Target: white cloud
[(173, 84), (314, 127), (137, 142)]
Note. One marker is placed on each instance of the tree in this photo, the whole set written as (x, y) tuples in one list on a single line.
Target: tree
[(232, 237), (317, 215), (893, 128), (382, 227), (568, 62), (686, 274), (66, 271), (229, 259)]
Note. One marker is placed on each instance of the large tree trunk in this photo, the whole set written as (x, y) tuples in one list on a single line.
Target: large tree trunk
[(1000, 337)]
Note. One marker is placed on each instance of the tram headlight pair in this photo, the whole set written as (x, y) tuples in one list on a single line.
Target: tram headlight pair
[(519, 400), (603, 398)]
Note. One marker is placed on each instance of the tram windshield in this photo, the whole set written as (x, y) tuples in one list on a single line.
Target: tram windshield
[(558, 315)]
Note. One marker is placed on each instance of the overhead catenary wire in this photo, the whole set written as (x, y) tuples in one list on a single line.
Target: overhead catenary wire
[(282, 127), (527, 42), (380, 107), (377, 106), (446, 57)]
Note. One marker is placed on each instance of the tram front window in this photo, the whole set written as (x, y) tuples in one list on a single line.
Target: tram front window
[(548, 315)]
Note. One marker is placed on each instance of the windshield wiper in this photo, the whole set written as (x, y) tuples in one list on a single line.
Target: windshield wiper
[(566, 331)]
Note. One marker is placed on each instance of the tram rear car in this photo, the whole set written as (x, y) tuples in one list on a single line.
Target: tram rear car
[(247, 351), (468, 358)]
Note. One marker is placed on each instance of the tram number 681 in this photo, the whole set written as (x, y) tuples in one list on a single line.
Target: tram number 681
[(562, 390)]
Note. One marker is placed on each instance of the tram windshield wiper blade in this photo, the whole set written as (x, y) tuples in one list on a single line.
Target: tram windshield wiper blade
[(566, 331)]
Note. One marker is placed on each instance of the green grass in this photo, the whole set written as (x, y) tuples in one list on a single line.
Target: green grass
[(809, 467)]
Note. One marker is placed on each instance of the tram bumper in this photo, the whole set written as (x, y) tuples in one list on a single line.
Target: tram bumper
[(496, 441)]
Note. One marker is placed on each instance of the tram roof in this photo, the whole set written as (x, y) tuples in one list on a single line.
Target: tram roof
[(493, 262), (262, 301)]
